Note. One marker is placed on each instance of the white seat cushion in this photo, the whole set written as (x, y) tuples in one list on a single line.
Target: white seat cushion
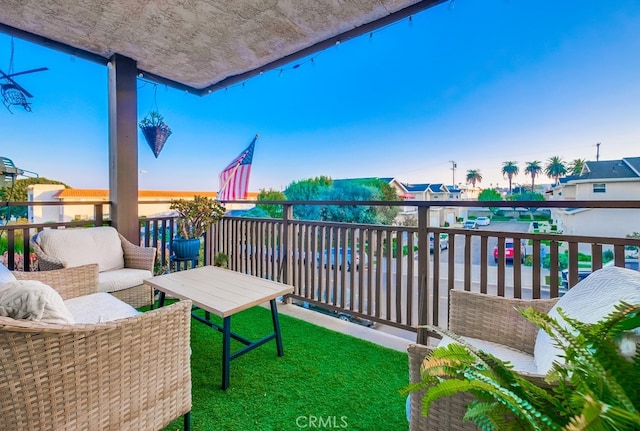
[(99, 307), (522, 362), (119, 279), (589, 301), (77, 247)]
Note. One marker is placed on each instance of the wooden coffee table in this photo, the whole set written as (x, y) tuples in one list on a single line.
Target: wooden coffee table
[(224, 293)]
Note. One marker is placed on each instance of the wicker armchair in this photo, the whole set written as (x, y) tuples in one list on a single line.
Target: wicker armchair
[(128, 374), (475, 315), (135, 257)]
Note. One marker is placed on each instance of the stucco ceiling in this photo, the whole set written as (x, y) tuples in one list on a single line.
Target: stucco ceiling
[(199, 45)]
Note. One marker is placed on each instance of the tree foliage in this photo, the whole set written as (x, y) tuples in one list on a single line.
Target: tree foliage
[(596, 388), (271, 210), (311, 189), (526, 196), (510, 170), (533, 169), (347, 191), (555, 168), (474, 176), (575, 166), (324, 188), (488, 195), (19, 193)]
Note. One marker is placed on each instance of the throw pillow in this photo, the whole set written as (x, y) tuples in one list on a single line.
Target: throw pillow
[(33, 300), (589, 301), (5, 274)]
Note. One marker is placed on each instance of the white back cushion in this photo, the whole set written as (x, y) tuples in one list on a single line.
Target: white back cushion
[(33, 300), (589, 301), (5, 275), (76, 247)]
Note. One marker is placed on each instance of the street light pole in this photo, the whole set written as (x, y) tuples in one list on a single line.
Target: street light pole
[(453, 170)]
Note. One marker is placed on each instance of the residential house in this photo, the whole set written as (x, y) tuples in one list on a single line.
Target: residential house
[(600, 180), (150, 202)]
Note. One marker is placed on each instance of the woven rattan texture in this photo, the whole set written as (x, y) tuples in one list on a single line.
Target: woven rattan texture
[(129, 374), (68, 282), (480, 316), (136, 257), (494, 318)]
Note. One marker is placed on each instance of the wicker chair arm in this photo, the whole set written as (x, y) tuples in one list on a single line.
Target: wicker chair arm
[(136, 256), (494, 318), (68, 282), (131, 373), (45, 262)]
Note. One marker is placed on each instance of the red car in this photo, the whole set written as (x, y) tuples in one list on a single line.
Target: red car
[(508, 252)]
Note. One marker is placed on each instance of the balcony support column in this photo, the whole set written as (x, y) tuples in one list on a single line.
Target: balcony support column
[(123, 146)]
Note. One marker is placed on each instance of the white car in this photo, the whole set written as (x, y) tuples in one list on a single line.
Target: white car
[(470, 224), (483, 221), (444, 242)]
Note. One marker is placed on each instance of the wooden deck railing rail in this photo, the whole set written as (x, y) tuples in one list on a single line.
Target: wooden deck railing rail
[(386, 273)]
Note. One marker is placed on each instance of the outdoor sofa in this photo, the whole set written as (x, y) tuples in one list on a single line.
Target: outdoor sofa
[(494, 325), (115, 373), (122, 265)]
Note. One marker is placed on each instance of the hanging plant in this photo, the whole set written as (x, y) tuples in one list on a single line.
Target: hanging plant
[(155, 131)]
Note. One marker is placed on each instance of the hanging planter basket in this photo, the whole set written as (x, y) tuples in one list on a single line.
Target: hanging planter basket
[(155, 131)]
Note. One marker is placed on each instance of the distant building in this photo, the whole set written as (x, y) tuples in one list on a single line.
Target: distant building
[(149, 202), (600, 181)]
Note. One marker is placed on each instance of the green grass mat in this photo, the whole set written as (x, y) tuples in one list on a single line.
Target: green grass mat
[(325, 380)]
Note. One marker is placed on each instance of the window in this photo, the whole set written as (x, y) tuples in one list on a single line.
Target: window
[(600, 188)]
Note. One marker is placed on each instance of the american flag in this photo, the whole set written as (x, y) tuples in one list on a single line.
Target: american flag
[(234, 179)]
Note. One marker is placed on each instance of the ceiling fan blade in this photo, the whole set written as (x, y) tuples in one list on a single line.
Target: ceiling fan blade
[(40, 69), (15, 84)]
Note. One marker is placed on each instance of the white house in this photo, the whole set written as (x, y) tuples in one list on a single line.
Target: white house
[(148, 202), (598, 181)]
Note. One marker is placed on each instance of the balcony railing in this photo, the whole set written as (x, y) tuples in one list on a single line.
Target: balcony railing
[(387, 273)]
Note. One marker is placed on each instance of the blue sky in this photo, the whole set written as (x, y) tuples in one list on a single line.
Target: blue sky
[(478, 82)]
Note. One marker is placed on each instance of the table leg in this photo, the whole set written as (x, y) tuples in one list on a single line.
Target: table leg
[(276, 326), (226, 351), (161, 299)]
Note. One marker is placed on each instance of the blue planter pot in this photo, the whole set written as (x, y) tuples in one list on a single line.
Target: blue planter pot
[(185, 248)]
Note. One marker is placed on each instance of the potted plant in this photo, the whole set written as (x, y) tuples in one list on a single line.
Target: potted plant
[(155, 131), (195, 216), (595, 388)]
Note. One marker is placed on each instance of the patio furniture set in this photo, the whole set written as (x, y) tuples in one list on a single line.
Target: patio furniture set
[(77, 354)]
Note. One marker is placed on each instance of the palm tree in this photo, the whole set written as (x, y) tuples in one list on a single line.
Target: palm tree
[(533, 169), (576, 165), (474, 176), (555, 168), (510, 170)]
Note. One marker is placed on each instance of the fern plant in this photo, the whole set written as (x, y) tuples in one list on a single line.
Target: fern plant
[(597, 387)]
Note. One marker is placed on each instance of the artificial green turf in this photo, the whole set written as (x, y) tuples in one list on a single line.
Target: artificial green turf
[(325, 380)]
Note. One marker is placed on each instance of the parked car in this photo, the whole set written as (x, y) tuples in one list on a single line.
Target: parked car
[(483, 221), (444, 241), (470, 224), (330, 257), (509, 252), (338, 314)]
